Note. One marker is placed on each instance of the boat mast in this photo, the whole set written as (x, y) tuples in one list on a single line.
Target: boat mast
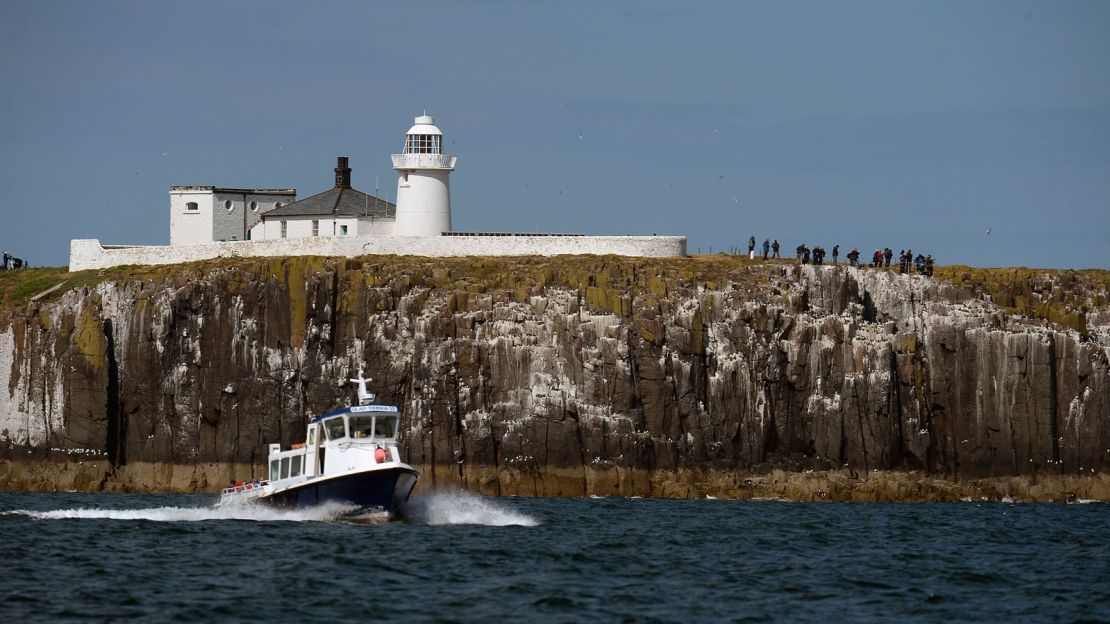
[(365, 397)]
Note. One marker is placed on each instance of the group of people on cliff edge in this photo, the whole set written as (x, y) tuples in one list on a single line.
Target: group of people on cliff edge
[(907, 263), (11, 262), (882, 258)]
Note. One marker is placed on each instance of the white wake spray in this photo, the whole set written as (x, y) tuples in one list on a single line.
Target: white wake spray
[(454, 507), (246, 511)]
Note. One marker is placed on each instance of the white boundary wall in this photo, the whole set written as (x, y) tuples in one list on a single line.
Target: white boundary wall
[(90, 254)]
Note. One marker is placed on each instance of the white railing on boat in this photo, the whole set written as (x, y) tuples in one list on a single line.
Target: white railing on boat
[(247, 490)]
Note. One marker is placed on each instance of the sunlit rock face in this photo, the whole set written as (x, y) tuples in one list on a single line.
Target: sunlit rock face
[(557, 376)]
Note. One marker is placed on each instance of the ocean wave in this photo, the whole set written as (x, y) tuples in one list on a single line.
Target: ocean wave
[(246, 511), (455, 507)]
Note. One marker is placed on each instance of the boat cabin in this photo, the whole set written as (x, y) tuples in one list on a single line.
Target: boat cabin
[(352, 438)]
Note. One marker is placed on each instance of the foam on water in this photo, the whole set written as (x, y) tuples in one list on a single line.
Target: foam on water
[(455, 507), (245, 511)]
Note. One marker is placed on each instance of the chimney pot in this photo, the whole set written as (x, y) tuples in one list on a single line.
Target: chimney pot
[(342, 173)]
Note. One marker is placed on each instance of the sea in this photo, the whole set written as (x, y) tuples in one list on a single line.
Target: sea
[(459, 557)]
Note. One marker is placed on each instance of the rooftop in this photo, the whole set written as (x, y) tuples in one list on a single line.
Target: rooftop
[(221, 189), (337, 201)]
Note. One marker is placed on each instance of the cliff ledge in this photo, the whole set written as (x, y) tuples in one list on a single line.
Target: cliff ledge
[(569, 376)]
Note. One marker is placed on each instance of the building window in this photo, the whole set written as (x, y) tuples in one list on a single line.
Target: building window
[(254, 206), (315, 228), (342, 230), (192, 206), (423, 144), (229, 205), (284, 229)]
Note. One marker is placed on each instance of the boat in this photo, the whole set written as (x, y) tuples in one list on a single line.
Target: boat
[(349, 457)]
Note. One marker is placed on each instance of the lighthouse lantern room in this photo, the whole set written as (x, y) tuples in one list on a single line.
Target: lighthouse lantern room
[(423, 184)]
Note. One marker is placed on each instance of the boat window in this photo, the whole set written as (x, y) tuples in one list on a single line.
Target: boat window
[(284, 467), (385, 427), (295, 466), (311, 437), (334, 428), (362, 426), (274, 470)]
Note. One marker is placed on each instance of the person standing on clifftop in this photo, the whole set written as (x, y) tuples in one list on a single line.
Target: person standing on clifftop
[(7, 257), (836, 252), (888, 253), (751, 245), (766, 248), (775, 248)]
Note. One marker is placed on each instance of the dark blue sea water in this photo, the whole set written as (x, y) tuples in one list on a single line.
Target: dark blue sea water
[(462, 558)]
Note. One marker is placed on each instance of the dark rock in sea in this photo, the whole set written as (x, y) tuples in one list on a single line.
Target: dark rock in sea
[(572, 376)]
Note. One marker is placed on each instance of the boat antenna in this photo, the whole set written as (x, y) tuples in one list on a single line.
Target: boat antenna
[(364, 396)]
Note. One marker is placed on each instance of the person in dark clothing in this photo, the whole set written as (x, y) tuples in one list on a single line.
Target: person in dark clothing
[(901, 260), (805, 254), (799, 251), (766, 248), (751, 245), (853, 257), (818, 254), (7, 257), (775, 248), (836, 252), (929, 265), (888, 253), (919, 263)]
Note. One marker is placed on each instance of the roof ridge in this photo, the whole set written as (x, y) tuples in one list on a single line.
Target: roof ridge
[(338, 197)]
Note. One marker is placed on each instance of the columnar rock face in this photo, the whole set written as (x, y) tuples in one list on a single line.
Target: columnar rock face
[(563, 376)]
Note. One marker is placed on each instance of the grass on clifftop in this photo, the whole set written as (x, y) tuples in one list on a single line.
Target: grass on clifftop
[(19, 285), (1057, 295), (1060, 296)]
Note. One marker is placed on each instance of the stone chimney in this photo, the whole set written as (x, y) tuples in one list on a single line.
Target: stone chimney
[(342, 174)]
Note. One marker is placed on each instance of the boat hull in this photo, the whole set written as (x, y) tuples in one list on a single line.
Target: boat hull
[(380, 491)]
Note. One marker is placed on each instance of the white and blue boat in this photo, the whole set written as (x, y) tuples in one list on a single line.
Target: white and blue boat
[(349, 457)]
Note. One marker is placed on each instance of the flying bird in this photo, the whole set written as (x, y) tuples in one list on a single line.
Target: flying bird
[(988, 231)]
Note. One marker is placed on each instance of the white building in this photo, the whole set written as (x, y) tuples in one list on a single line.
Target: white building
[(423, 184), (340, 211), (206, 214), (204, 220)]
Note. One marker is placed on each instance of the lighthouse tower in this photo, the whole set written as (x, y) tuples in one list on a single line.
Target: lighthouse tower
[(423, 187)]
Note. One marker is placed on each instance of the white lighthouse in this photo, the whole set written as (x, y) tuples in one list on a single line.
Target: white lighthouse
[(423, 185)]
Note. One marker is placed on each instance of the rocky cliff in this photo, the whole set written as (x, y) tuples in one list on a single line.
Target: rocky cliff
[(571, 375)]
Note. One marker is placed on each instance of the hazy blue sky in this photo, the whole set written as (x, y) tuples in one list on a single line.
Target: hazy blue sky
[(916, 124)]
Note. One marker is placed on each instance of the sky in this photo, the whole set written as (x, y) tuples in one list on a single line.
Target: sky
[(866, 124)]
